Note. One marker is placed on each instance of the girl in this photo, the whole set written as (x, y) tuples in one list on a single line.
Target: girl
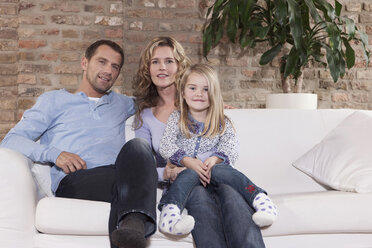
[(202, 139)]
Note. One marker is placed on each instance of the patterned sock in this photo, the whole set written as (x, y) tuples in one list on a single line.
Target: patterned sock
[(172, 222), (266, 211)]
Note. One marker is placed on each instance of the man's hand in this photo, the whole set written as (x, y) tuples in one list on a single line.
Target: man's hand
[(171, 171), (70, 162), (198, 166)]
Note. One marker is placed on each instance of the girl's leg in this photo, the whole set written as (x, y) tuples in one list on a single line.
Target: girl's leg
[(173, 201), (256, 197)]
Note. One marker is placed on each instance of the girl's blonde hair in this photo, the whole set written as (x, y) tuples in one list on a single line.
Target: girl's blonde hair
[(144, 90), (215, 121)]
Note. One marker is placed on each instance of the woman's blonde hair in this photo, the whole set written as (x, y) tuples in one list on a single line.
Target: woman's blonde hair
[(144, 90), (215, 121)]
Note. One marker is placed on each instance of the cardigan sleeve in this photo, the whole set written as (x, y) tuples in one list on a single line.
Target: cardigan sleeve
[(228, 146)]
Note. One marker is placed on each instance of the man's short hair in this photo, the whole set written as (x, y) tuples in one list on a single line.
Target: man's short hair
[(91, 50)]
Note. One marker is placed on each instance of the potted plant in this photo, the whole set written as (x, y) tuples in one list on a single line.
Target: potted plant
[(298, 31)]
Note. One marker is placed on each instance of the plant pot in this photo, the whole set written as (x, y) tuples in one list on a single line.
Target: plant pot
[(292, 101)]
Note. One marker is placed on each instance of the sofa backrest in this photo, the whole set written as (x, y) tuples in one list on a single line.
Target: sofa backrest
[(272, 139)]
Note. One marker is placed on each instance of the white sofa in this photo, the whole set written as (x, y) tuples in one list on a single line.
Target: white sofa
[(310, 215)]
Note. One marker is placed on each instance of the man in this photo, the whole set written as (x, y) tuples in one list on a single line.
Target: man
[(82, 135)]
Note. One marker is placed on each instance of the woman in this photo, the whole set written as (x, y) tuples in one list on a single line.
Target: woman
[(220, 212)]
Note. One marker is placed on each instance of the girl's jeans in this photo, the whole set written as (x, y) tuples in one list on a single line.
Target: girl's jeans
[(181, 188)]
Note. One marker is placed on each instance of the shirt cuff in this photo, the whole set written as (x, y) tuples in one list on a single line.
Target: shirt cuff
[(53, 154), (177, 157), (223, 156)]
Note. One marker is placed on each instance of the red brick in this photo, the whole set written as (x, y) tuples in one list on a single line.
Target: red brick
[(94, 8), (72, 20), (8, 45), (68, 80), (70, 57), (4, 128), (70, 7), (49, 56), (27, 56), (7, 115), (35, 68), (135, 13), (186, 3), (116, 8), (53, 31), (136, 37), (68, 69), (8, 104), (32, 20), (8, 22), (25, 6), (70, 45), (70, 33), (10, 34), (49, 6), (26, 79), (8, 9), (8, 58), (26, 32), (11, 69), (31, 44), (114, 33), (8, 81), (29, 91), (25, 103)]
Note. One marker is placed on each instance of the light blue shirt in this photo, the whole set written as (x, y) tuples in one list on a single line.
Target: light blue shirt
[(94, 130)]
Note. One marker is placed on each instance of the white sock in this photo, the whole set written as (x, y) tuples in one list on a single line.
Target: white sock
[(173, 222), (266, 211)]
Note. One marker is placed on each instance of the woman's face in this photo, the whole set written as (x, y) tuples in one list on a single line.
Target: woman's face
[(163, 67)]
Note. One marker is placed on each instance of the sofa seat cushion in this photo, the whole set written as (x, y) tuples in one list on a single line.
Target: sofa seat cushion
[(63, 216), (321, 212)]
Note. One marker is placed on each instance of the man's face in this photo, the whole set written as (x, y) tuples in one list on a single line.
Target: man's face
[(101, 71)]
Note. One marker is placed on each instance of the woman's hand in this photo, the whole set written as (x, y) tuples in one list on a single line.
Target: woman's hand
[(198, 166), (171, 171)]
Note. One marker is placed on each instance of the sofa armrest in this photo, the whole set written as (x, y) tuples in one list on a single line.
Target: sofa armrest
[(17, 200)]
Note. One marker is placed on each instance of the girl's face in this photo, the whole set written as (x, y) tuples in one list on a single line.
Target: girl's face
[(196, 93), (163, 67)]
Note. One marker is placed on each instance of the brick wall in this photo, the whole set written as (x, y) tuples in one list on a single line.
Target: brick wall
[(42, 41)]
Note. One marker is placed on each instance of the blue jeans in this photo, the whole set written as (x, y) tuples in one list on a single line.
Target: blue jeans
[(181, 188), (223, 219)]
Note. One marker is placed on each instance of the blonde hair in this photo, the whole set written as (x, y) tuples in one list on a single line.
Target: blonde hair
[(215, 121), (144, 90)]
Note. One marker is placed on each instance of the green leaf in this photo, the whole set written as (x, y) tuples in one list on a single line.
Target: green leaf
[(270, 54), (207, 41), (313, 12), (295, 23), (326, 8), (333, 64), (334, 36), (350, 54), (292, 60), (281, 11), (338, 8), (350, 27)]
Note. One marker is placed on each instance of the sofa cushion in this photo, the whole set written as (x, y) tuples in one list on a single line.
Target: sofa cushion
[(343, 159), (321, 212), (63, 216)]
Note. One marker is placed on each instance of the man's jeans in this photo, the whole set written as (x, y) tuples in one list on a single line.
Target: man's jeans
[(181, 188), (223, 219), (129, 185)]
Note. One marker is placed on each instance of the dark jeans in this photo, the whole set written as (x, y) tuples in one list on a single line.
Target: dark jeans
[(129, 185), (181, 188), (223, 219)]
